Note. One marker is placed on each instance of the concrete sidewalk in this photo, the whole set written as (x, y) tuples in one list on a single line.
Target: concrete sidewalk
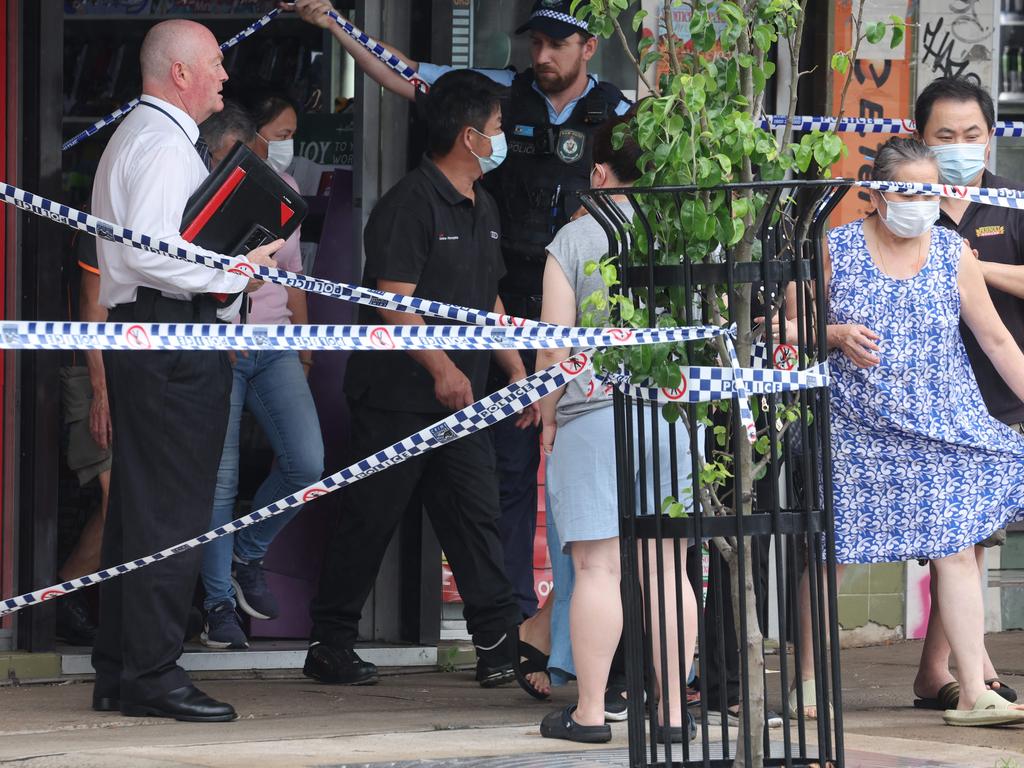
[(444, 718)]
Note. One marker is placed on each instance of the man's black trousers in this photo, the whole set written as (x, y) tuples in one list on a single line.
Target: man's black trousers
[(459, 488), (169, 412)]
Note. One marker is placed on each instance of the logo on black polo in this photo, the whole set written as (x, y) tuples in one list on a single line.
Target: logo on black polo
[(570, 145)]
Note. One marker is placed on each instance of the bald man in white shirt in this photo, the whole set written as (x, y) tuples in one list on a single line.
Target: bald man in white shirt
[(169, 410)]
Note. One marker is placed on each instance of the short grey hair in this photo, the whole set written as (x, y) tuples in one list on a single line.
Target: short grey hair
[(231, 124), (896, 152)]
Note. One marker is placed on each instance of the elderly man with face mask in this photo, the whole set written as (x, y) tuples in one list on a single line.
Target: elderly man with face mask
[(168, 409)]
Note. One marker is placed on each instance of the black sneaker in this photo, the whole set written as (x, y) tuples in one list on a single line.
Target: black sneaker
[(338, 666), (495, 658), (73, 623), (251, 590), (223, 628), (616, 708)]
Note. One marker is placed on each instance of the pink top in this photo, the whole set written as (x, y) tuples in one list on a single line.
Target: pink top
[(270, 303)]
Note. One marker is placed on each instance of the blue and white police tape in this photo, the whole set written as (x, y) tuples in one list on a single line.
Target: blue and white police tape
[(867, 124), (84, 222), (124, 109), (1001, 197), (480, 415), (373, 46), (32, 334), (702, 383)]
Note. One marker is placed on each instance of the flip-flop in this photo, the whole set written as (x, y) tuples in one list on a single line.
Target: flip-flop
[(989, 709), (947, 698), (528, 661), (1003, 690)]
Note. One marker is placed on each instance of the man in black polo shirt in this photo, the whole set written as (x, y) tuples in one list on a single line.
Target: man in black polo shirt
[(435, 235), (956, 118)]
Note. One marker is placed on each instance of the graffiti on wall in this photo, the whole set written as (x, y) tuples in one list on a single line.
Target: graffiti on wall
[(956, 40)]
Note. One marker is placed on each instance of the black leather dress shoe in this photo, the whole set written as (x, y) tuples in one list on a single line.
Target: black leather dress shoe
[(338, 666), (187, 703), (106, 703)]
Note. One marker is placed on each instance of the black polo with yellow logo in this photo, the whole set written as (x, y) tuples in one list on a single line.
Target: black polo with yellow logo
[(425, 232), (997, 234)]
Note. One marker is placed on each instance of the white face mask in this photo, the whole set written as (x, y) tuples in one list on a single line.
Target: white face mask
[(280, 153), (960, 164), (912, 218)]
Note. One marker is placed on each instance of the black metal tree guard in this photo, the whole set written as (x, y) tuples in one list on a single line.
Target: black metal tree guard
[(792, 517)]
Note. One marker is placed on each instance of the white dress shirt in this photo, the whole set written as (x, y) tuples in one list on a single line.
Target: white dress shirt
[(145, 177)]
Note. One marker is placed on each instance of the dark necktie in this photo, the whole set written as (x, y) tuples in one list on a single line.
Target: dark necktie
[(204, 152)]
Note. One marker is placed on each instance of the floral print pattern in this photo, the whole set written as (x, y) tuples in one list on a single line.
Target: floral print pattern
[(920, 468)]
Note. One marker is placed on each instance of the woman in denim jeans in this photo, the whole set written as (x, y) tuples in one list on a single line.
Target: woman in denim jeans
[(271, 384)]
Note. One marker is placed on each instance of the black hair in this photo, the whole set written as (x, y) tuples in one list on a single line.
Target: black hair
[(233, 121), (624, 161), (952, 89), (458, 99), (897, 151), (266, 107)]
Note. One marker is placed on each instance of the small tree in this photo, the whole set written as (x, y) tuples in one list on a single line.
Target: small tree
[(701, 126)]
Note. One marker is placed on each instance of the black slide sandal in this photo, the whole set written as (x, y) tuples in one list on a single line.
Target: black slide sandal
[(528, 661)]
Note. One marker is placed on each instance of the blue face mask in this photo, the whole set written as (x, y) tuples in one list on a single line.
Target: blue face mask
[(499, 150), (959, 164)]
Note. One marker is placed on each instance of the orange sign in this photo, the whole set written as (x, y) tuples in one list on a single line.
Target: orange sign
[(879, 88)]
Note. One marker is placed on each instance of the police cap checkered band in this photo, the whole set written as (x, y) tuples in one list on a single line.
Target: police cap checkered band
[(553, 17)]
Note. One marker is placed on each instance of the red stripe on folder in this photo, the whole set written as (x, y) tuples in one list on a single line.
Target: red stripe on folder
[(211, 207)]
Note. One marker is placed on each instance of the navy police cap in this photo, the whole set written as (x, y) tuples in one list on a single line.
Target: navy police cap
[(554, 18)]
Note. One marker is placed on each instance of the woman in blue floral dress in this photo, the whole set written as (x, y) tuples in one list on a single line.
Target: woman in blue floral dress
[(920, 468)]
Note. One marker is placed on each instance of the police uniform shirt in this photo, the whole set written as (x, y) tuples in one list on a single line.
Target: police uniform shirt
[(425, 232), (429, 73), (997, 234), (144, 179)]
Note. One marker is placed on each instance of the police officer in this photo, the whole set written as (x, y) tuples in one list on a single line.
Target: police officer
[(549, 116)]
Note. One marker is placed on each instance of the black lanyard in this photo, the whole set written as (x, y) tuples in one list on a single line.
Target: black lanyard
[(169, 117)]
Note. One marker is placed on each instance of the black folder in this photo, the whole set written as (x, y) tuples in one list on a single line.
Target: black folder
[(242, 205)]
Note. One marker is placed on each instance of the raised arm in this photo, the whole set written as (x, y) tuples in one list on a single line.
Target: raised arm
[(315, 12), (978, 312)]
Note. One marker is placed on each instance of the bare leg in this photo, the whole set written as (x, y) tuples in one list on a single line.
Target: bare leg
[(806, 634), (959, 594), (933, 670), (536, 631), (85, 557), (671, 712), (595, 622)]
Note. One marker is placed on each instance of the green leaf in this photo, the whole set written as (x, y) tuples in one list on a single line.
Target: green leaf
[(638, 20), (764, 36), (626, 309), (589, 268), (897, 36), (670, 411), (875, 32), (841, 62)]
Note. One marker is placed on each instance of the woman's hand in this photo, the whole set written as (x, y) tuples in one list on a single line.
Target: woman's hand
[(856, 342)]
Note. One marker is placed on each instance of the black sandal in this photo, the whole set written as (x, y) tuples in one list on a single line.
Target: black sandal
[(948, 697), (529, 661), (560, 725)]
